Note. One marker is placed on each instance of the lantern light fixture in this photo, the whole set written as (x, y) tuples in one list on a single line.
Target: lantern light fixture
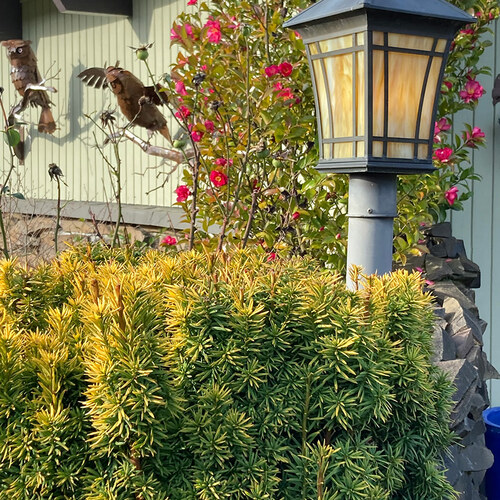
[(377, 68)]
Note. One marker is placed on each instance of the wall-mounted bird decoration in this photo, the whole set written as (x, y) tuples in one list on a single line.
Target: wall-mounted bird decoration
[(24, 73), (137, 102)]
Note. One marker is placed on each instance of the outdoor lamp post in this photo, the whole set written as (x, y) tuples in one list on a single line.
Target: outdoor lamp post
[(377, 68)]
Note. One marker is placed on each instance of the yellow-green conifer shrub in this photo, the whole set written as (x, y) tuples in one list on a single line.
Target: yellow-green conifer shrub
[(216, 377)]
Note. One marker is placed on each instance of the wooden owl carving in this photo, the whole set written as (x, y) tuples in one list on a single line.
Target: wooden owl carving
[(24, 71)]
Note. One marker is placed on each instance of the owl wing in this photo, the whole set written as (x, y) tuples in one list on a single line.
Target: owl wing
[(94, 77)]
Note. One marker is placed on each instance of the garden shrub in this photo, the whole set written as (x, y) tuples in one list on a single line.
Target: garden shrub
[(216, 376)]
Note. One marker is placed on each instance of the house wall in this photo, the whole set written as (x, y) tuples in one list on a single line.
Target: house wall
[(65, 44), (479, 224)]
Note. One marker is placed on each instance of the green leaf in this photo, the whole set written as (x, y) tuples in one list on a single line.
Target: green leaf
[(12, 137)]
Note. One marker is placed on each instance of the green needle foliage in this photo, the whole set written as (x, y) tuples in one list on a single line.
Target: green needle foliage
[(202, 376)]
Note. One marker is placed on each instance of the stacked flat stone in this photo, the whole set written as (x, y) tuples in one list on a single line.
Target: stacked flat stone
[(458, 351)]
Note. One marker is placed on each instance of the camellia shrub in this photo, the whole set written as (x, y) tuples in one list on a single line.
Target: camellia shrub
[(202, 376), (241, 91)]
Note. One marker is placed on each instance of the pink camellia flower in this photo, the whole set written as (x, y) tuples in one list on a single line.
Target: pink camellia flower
[(196, 135), (322, 228), (209, 126), (192, 2), (285, 68), (182, 112), (235, 24), (441, 125), (451, 195), (295, 215), (473, 138), (443, 154), (468, 31), (286, 93), (214, 33), (222, 162), (176, 31), (217, 178), (419, 269), (472, 92), (278, 86), (180, 88), (168, 241), (182, 193), (272, 70), (272, 256)]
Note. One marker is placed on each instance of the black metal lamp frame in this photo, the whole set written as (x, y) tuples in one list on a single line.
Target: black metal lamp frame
[(369, 19)]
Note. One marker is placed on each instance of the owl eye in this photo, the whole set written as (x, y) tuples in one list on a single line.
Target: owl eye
[(19, 50)]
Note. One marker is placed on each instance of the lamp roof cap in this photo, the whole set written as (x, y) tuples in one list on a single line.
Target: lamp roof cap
[(440, 9)]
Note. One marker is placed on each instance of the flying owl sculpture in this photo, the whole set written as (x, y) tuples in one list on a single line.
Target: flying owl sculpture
[(24, 72), (137, 102)]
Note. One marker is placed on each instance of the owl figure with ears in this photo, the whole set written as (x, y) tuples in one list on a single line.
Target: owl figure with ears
[(24, 71)]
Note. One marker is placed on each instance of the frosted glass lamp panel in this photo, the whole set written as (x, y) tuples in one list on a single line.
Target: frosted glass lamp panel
[(378, 96), (360, 93), (338, 43), (322, 100), (410, 41), (430, 95), (339, 75), (406, 78)]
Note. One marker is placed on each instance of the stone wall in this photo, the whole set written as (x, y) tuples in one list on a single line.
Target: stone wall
[(458, 351)]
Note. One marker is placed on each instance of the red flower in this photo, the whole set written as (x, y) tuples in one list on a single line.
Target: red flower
[(182, 193), (209, 126), (192, 2), (285, 68), (286, 93), (443, 154), (472, 92), (475, 137), (196, 135), (168, 241), (451, 195), (295, 215), (180, 88), (217, 178), (272, 256), (222, 162), (272, 70), (182, 112), (214, 33)]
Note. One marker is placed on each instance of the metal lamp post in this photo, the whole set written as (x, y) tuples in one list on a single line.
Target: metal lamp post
[(377, 68)]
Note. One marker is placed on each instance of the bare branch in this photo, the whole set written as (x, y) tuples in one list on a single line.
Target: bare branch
[(169, 154)]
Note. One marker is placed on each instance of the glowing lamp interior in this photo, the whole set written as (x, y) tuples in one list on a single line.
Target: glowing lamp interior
[(404, 71)]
